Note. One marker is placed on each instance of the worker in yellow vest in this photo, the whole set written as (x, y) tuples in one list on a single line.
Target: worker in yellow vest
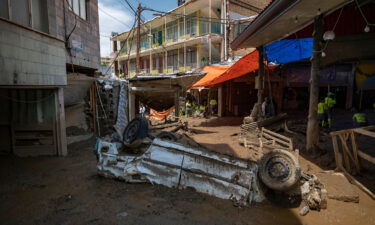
[(213, 104), (360, 119), (330, 102), (322, 113)]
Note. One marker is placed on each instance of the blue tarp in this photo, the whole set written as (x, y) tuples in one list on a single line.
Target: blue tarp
[(286, 51)]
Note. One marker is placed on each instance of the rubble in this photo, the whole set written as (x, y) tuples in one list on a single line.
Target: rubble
[(314, 194)]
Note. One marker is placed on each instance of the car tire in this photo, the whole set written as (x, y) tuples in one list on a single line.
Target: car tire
[(279, 170)]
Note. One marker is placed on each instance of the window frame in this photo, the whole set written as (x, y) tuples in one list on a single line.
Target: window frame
[(71, 8)]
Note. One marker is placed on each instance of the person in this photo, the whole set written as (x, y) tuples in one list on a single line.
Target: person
[(267, 108), (142, 110), (187, 108), (202, 110), (322, 112), (330, 102), (359, 119), (213, 104)]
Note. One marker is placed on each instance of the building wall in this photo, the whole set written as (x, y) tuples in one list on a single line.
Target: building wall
[(84, 45), (30, 58)]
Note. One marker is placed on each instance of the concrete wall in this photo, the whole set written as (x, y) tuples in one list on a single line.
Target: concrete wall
[(30, 58), (85, 34)]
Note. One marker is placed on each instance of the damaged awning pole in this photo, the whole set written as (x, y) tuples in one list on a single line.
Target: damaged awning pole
[(312, 133)]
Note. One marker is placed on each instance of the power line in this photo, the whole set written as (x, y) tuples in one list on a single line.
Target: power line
[(121, 47), (113, 17)]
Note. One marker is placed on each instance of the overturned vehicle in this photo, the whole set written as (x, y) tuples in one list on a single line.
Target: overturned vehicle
[(168, 160)]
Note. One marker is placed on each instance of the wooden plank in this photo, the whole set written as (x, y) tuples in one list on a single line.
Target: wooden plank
[(365, 132), (346, 152), (277, 135), (358, 184), (346, 148), (337, 153), (372, 127), (366, 157), (355, 150), (277, 140)]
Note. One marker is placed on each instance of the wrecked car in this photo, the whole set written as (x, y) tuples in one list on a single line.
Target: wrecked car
[(162, 159)]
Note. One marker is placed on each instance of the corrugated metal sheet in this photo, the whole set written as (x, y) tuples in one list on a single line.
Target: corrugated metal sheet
[(175, 165)]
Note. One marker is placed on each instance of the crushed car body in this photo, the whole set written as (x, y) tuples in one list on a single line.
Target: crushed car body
[(175, 165)]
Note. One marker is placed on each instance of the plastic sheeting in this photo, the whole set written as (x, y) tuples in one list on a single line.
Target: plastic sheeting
[(212, 73), (160, 115), (122, 119), (242, 67), (286, 51)]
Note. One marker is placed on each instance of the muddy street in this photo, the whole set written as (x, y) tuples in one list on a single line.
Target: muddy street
[(50, 190)]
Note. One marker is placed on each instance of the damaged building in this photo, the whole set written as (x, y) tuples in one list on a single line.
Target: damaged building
[(48, 50)]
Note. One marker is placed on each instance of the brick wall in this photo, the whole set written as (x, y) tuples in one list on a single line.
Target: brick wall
[(30, 58), (85, 33)]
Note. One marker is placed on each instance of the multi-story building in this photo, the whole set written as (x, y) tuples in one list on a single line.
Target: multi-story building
[(187, 38), (41, 42)]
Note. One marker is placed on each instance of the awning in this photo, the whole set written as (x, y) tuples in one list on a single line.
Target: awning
[(212, 73), (281, 18), (245, 65)]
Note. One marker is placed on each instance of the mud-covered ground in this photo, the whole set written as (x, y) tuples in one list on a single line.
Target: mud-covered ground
[(51, 190)]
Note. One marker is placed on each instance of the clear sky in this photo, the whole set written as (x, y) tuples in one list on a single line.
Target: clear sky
[(115, 16)]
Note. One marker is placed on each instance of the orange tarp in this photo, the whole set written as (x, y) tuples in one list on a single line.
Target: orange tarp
[(243, 66), (212, 73), (160, 115)]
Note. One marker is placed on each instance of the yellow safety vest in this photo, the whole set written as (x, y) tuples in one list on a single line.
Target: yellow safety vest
[(213, 102), (322, 108), (360, 118), (188, 104), (201, 108), (330, 102)]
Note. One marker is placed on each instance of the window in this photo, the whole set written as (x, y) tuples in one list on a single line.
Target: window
[(20, 12), (172, 31), (157, 36), (172, 60), (78, 7), (191, 24), (191, 56), (182, 27), (29, 13), (39, 15), (4, 9)]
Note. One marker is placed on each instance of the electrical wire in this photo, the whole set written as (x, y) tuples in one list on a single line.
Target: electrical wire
[(363, 15), (109, 67), (113, 17)]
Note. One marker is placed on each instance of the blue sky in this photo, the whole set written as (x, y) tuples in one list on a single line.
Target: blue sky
[(114, 16)]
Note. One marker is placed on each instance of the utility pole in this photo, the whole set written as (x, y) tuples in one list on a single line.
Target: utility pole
[(312, 133), (138, 70)]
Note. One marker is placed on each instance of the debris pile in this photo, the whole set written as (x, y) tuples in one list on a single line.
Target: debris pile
[(314, 194)]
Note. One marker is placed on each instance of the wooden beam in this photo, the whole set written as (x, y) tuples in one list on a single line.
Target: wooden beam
[(358, 184), (355, 150), (338, 157), (365, 132), (366, 157), (372, 127)]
